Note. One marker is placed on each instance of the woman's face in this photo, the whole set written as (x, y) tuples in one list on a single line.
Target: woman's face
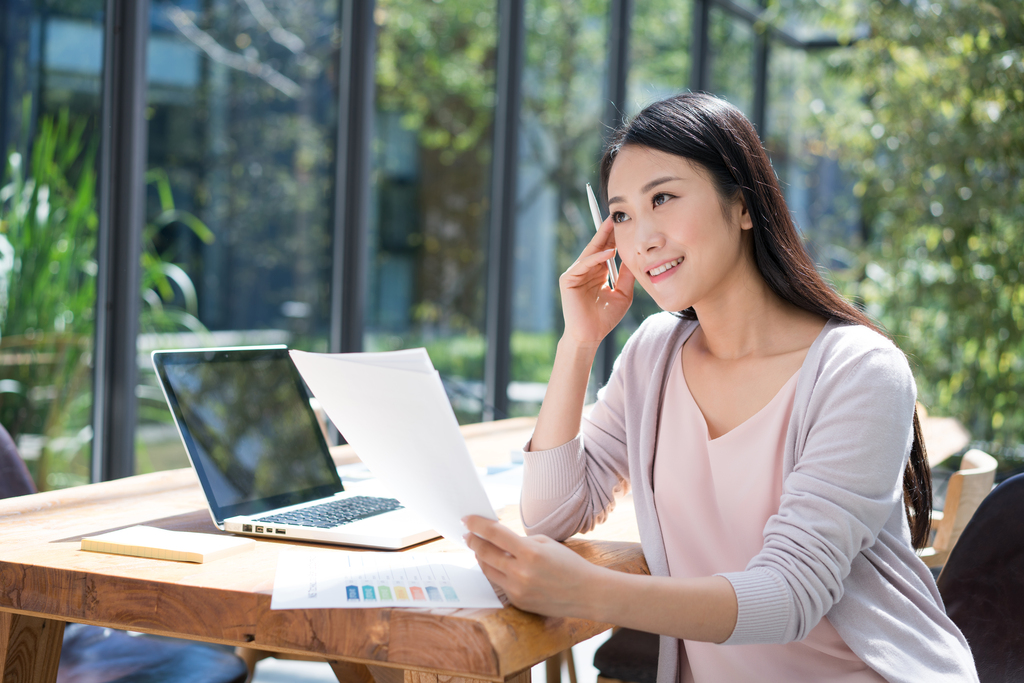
[(671, 230)]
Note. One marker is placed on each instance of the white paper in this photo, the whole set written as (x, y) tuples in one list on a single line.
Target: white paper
[(319, 579), (393, 410)]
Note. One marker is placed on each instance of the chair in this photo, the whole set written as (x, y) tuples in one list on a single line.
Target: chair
[(966, 489), (92, 654), (981, 583), (14, 477), (628, 656)]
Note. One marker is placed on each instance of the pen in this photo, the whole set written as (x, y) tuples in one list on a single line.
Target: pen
[(595, 211)]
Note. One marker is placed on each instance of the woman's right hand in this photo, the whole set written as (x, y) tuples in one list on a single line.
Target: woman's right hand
[(591, 309)]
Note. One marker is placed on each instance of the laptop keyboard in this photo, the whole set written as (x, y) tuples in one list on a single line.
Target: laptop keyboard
[(335, 512)]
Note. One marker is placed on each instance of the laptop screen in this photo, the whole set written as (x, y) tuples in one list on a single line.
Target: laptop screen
[(252, 437)]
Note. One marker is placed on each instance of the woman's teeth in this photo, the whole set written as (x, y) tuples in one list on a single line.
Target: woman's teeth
[(662, 268)]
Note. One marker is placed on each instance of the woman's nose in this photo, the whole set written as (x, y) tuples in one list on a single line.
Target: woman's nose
[(648, 236)]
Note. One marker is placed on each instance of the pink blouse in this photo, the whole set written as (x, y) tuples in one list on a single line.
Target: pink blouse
[(713, 498)]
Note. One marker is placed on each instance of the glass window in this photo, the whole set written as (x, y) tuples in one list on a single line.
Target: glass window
[(242, 111), (427, 271), (564, 86), (659, 51), (51, 56), (809, 20), (802, 90), (659, 67), (731, 57)]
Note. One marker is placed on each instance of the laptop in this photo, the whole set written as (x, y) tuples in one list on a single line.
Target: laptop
[(254, 441)]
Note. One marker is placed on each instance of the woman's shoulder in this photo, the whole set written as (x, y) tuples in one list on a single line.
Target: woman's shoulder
[(849, 348)]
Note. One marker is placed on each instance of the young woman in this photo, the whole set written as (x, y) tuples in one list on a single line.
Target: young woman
[(766, 427)]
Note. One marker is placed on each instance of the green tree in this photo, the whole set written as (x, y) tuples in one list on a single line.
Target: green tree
[(436, 71), (48, 229), (938, 142)]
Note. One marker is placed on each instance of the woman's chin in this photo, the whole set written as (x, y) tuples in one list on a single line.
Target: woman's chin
[(672, 305)]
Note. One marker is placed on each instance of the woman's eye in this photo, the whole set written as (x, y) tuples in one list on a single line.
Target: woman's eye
[(618, 217), (660, 198)]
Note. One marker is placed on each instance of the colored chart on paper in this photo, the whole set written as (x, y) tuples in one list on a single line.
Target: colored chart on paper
[(336, 578)]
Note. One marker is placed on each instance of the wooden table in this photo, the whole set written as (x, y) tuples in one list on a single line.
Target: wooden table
[(45, 581)]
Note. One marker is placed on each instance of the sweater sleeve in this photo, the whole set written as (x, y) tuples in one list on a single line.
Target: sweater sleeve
[(850, 452), (571, 489)]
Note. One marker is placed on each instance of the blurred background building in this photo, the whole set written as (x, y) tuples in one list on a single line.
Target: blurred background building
[(344, 175)]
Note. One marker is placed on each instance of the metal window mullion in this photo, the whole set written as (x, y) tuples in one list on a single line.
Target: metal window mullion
[(620, 15), (760, 105), (352, 174), (501, 235), (119, 238), (619, 23), (777, 33), (700, 45), (6, 75)]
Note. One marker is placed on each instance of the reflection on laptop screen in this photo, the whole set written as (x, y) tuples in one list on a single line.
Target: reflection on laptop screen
[(251, 429)]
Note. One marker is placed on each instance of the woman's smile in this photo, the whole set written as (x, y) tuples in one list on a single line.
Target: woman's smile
[(666, 269)]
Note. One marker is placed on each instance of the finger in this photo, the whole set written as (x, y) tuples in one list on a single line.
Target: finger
[(487, 561), (602, 239), (493, 575), (626, 279), (585, 265), (495, 533), (487, 552)]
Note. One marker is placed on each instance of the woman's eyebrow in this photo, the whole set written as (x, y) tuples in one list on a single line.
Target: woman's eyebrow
[(646, 188)]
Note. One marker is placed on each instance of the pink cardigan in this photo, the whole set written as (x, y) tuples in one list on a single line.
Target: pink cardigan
[(840, 543)]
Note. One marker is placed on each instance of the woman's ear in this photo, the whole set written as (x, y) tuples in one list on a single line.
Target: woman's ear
[(745, 220)]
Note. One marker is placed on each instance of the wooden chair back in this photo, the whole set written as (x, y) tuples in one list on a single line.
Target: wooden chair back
[(967, 488)]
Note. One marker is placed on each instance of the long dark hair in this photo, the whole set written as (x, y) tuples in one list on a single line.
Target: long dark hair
[(715, 135)]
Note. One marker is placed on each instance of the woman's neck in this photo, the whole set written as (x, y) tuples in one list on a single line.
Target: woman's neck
[(748, 319)]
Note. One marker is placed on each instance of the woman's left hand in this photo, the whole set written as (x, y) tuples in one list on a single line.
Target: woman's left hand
[(537, 574)]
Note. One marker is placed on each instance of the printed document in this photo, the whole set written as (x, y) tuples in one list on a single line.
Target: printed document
[(392, 408), (312, 579)]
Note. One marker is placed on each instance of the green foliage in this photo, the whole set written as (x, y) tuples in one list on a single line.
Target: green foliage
[(48, 228), (562, 108), (48, 232), (533, 354), (939, 139), (435, 65), (660, 62), (435, 77), (161, 279)]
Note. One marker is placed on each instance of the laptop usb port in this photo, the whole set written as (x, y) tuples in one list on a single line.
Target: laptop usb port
[(247, 528), (259, 530), (279, 531)]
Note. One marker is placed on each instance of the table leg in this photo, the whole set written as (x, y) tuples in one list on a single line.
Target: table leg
[(553, 667), (383, 674), (351, 672), (29, 648)]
